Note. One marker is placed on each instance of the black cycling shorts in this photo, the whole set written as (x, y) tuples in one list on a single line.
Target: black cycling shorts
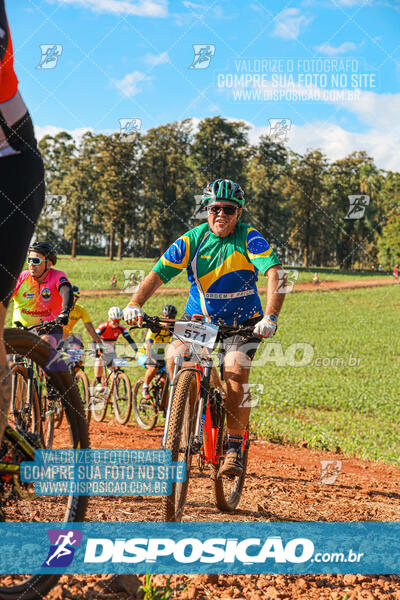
[(21, 171), (21, 200)]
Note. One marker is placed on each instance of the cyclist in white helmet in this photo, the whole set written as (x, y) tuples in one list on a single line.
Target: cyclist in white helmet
[(109, 332)]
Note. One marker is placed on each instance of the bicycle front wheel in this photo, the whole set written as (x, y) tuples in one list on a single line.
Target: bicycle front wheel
[(25, 410), (227, 491), (180, 441), (18, 500), (82, 383), (145, 410), (122, 398), (98, 402)]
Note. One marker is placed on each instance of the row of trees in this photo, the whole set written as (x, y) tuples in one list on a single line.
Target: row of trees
[(135, 194)]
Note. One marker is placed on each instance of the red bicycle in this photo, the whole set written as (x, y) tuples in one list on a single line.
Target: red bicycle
[(196, 415)]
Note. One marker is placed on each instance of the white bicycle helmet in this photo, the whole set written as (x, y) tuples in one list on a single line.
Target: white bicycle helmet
[(115, 312)]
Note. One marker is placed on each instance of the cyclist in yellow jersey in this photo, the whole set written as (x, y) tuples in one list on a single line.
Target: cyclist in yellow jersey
[(152, 354), (77, 313)]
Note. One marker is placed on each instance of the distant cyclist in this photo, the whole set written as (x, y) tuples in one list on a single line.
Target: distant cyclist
[(21, 191), (109, 332), (78, 313), (43, 293), (152, 354), (222, 258)]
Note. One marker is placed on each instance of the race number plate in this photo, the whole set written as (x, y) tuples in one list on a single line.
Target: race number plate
[(204, 334)]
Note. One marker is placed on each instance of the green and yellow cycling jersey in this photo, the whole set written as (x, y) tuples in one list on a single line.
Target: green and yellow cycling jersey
[(222, 271)]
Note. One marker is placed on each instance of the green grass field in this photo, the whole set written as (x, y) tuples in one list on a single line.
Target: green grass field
[(95, 273), (347, 396)]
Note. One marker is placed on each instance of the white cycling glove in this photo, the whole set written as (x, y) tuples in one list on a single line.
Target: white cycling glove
[(133, 315), (267, 327)]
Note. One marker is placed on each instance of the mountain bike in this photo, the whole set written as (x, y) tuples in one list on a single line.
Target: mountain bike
[(146, 410), (18, 501), (196, 413), (116, 389), (34, 401)]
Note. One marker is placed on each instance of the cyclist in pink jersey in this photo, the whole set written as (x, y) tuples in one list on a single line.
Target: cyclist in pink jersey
[(43, 293)]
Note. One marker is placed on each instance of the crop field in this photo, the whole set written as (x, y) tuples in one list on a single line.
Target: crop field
[(95, 273), (329, 378)]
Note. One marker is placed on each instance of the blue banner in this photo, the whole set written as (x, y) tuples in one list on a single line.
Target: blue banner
[(187, 548)]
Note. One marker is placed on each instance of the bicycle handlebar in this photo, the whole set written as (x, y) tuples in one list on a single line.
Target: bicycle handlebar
[(155, 324), (44, 326)]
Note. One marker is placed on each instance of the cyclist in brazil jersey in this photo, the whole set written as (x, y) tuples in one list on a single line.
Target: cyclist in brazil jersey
[(43, 293), (21, 190), (223, 258)]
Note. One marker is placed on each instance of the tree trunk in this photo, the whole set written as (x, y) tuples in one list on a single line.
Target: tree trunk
[(111, 239), (120, 246), (75, 236)]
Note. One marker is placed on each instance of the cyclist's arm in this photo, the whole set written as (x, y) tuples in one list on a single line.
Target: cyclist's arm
[(87, 321), (128, 338), (92, 332), (148, 347), (274, 298), (170, 264), (66, 293), (265, 260)]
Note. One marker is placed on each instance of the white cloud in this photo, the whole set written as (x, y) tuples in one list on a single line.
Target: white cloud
[(52, 130), (156, 59), (142, 8), (290, 23), (336, 51), (129, 85), (381, 140)]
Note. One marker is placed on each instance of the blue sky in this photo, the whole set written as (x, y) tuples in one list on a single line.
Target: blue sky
[(131, 58)]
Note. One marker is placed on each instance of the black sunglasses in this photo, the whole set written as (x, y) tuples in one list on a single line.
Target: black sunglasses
[(227, 210)]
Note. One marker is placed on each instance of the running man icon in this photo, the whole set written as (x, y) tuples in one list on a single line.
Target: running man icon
[(63, 543)]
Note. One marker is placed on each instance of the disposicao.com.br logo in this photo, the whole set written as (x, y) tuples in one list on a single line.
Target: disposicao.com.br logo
[(200, 548), (210, 551)]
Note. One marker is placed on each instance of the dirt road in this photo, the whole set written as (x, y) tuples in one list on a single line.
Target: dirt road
[(283, 484), (323, 286)]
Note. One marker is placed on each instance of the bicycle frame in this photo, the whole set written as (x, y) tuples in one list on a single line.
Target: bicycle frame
[(202, 368), (205, 433)]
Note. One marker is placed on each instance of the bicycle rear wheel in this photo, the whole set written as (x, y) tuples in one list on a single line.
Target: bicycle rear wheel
[(145, 411), (227, 491), (48, 402), (122, 398), (82, 383), (180, 440), (98, 403), (18, 502)]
